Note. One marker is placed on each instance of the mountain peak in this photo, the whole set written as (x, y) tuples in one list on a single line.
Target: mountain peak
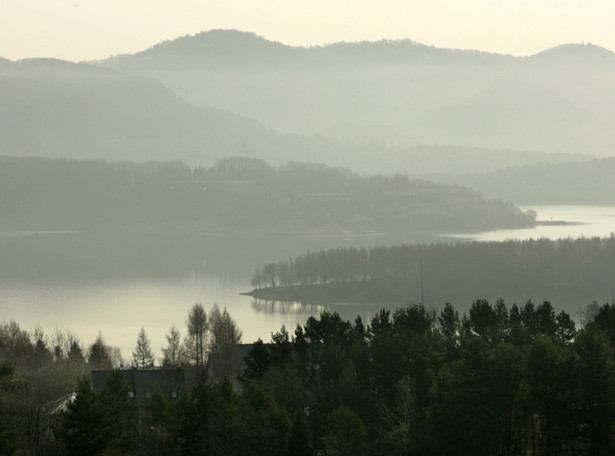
[(579, 52), (219, 38), (219, 46)]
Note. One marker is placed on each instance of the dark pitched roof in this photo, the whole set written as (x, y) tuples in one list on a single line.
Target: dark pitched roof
[(144, 383)]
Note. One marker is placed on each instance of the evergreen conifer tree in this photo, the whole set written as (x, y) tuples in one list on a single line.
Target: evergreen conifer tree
[(174, 353), (143, 356)]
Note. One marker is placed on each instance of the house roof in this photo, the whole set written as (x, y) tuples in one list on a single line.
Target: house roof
[(145, 382)]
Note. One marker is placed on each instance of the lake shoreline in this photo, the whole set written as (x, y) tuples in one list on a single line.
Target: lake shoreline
[(359, 294), (152, 275)]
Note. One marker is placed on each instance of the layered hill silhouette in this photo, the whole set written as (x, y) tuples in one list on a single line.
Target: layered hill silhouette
[(422, 94), (52, 108), (582, 183), (588, 53), (418, 109), (520, 116)]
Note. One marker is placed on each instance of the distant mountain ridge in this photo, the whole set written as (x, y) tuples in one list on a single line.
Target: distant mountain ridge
[(52, 108), (521, 111), (400, 85), (573, 183), (464, 110), (234, 46), (590, 53), (205, 49)]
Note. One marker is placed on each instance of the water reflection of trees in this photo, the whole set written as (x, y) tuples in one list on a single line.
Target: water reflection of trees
[(268, 306), (350, 313)]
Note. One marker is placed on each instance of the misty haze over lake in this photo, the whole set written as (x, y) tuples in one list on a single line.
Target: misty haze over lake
[(135, 186), (119, 304), (316, 228)]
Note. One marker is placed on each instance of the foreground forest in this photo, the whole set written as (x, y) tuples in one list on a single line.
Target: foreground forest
[(499, 380), (40, 373)]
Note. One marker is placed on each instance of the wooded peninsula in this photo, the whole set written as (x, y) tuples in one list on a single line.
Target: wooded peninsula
[(570, 272)]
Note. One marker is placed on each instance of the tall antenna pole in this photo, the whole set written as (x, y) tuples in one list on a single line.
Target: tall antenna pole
[(422, 291)]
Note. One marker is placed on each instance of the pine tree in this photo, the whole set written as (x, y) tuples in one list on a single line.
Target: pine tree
[(119, 412), (174, 353), (99, 356), (197, 327), (75, 354), (143, 356), (346, 434), (100, 423), (83, 422), (300, 439)]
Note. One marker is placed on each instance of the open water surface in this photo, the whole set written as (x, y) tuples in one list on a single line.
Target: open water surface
[(117, 306)]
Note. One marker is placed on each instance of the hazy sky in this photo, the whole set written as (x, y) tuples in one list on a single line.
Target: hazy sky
[(94, 29)]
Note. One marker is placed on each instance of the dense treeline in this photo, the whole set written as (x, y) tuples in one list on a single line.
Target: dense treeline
[(499, 380), (568, 270), (240, 193)]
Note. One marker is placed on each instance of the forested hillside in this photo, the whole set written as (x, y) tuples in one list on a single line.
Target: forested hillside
[(237, 193)]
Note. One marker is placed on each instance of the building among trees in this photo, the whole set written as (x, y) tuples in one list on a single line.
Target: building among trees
[(145, 383)]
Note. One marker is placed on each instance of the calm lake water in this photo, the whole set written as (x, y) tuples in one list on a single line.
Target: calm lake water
[(586, 221), (118, 308)]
